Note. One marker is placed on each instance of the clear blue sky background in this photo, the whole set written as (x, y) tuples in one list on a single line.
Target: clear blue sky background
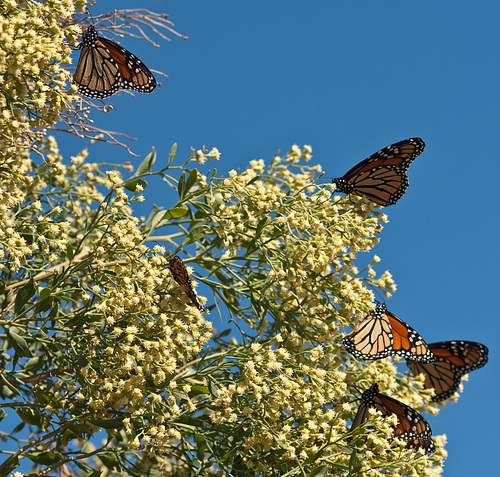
[(349, 78)]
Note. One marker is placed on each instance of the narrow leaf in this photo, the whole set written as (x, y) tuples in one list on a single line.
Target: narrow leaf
[(44, 293), (171, 154), (146, 164), (25, 293), (175, 213), (320, 471), (191, 180), (196, 234), (18, 343), (181, 186), (69, 251), (132, 184), (12, 464)]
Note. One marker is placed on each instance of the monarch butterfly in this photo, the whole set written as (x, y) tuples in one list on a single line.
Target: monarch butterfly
[(411, 426), (105, 67), (181, 276), (454, 359), (382, 177), (383, 334)]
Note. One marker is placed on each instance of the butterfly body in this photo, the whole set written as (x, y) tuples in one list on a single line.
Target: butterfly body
[(453, 360), (382, 176), (411, 426), (383, 334), (105, 67), (181, 276)]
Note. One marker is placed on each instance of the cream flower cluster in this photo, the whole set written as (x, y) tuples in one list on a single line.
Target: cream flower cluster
[(33, 50), (289, 398)]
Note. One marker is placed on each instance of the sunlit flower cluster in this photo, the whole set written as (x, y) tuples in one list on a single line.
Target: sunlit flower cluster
[(145, 328), (284, 253), (139, 325), (33, 48), (283, 397), (308, 242), (291, 396)]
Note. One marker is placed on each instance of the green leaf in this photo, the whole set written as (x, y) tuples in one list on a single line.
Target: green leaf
[(110, 462), (155, 221), (76, 430), (6, 299), (95, 473), (345, 449), (131, 184), (34, 418), (191, 180), (18, 428), (44, 293), (354, 465), (146, 164), (228, 456), (197, 389), (108, 423), (18, 343), (44, 457), (44, 301), (204, 208), (8, 390), (201, 445), (213, 387), (163, 216), (196, 234), (53, 313), (154, 473), (23, 296), (34, 363), (69, 251), (181, 186), (13, 463), (319, 471), (43, 398), (175, 213), (171, 154), (154, 210), (260, 227)]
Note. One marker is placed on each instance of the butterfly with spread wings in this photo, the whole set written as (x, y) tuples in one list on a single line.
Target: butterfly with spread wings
[(382, 177), (181, 276), (383, 334), (453, 360), (411, 426), (105, 67)]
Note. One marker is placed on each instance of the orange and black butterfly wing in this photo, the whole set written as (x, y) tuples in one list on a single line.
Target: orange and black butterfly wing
[(367, 401), (382, 177), (134, 73), (383, 334), (181, 276), (372, 339), (105, 67), (453, 359), (411, 426), (97, 74)]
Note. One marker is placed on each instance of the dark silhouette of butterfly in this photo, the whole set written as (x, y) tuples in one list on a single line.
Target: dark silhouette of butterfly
[(382, 177), (181, 276), (411, 426), (105, 67), (453, 360), (383, 334)]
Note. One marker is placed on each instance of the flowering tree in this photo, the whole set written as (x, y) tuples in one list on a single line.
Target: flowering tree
[(107, 364)]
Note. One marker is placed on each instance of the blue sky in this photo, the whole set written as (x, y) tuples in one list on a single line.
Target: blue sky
[(349, 78)]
